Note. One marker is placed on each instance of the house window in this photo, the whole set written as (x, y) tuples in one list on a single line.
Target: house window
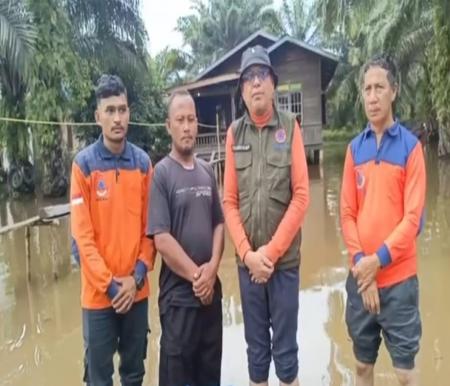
[(292, 102)]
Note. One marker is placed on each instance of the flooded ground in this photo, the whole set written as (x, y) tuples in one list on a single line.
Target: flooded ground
[(40, 324)]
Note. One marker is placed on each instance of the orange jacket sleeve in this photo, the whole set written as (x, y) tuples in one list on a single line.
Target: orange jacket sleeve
[(231, 200), (349, 209), (293, 218), (92, 264), (147, 250), (406, 231)]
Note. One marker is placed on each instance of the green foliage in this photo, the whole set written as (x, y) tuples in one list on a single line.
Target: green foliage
[(60, 81), (408, 32), (145, 98), (53, 51), (339, 135), (16, 142), (110, 34), (297, 19), (439, 66), (216, 26), (168, 67), (17, 36), (59, 85), (412, 32), (66, 45)]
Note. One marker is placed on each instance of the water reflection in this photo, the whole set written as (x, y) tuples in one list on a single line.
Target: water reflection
[(40, 333)]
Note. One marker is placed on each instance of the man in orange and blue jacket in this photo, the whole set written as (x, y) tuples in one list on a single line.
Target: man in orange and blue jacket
[(382, 204), (109, 198)]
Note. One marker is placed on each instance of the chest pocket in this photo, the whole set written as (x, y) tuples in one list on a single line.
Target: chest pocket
[(395, 177), (243, 163), (279, 176), (133, 193)]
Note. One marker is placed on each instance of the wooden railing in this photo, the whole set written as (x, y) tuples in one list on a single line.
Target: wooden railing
[(312, 136), (209, 140), (46, 216)]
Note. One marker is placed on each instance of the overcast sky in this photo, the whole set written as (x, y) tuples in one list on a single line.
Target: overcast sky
[(160, 18)]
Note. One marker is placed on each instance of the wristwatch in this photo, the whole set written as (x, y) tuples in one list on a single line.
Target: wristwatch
[(139, 281)]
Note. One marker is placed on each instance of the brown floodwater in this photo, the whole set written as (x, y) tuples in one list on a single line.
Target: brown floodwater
[(40, 322)]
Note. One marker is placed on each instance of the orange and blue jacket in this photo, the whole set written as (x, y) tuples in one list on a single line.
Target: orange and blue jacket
[(109, 199), (382, 201)]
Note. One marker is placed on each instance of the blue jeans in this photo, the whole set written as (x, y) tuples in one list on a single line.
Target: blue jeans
[(104, 333), (271, 306)]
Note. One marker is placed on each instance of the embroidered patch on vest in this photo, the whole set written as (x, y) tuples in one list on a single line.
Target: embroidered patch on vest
[(281, 135), (245, 147)]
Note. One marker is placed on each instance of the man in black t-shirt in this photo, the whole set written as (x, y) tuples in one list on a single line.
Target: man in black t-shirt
[(186, 221)]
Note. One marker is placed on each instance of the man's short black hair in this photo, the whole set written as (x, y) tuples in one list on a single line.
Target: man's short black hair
[(386, 63), (108, 86)]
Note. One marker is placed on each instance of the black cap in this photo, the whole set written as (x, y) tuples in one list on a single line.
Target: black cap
[(256, 55)]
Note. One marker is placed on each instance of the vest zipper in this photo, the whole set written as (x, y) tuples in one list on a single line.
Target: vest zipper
[(259, 185)]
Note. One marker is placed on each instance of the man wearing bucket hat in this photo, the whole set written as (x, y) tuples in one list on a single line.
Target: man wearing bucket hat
[(266, 195)]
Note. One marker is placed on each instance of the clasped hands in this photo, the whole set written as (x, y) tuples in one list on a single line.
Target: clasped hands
[(365, 272)]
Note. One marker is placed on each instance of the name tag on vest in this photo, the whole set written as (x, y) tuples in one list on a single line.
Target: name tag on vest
[(237, 148)]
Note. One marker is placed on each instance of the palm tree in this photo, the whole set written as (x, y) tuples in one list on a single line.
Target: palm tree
[(298, 21), (17, 41), (341, 23), (217, 26), (400, 30), (169, 66), (109, 32), (439, 65), (405, 36), (17, 37), (75, 41), (111, 36)]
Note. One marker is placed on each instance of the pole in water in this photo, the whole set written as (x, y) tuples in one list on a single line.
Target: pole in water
[(28, 252)]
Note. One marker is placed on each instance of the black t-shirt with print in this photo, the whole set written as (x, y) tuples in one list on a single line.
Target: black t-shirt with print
[(186, 204)]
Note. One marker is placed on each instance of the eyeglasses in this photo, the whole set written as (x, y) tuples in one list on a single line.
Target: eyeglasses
[(261, 72)]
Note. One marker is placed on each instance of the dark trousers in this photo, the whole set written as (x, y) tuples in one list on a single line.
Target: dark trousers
[(398, 321), (191, 346), (271, 306), (104, 333)]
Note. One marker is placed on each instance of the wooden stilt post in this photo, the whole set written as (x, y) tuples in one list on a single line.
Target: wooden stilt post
[(219, 155), (28, 251), (54, 254)]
